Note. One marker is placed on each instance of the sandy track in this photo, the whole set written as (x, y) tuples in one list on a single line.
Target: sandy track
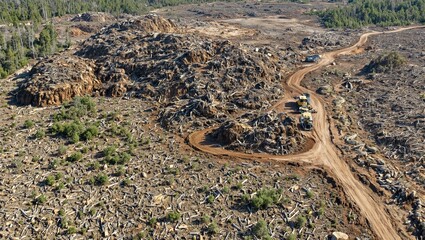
[(323, 153)]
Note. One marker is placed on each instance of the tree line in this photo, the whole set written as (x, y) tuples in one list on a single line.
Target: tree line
[(25, 32), (22, 44), (358, 13), (13, 11)]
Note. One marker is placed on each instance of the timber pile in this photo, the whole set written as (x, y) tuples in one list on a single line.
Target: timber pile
[(58, 79), (272, 133), (327, 40), (196, 81)]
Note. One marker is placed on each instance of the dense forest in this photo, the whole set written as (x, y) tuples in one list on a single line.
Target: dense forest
[(23, 44), (360, 13), (24, 34), (12, 11)]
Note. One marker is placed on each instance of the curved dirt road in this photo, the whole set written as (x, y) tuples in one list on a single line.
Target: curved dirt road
[(323, 153)]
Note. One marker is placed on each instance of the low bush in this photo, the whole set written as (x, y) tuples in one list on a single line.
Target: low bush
[(263, 199), (260, 230), (385, 63), (173, 216)]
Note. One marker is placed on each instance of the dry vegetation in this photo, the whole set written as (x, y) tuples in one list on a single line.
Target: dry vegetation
[(133, 179)]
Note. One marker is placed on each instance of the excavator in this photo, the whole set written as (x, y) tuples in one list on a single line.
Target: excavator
[(305, 108)]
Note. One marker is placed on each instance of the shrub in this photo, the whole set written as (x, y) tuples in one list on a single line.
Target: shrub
[(300, 222), (152, 222), (386, 63), (74, 157), (292, 236), (260, 229), (39, 200), (109, 151), (28, 124), (101, 179), (206, 219), (50, 180), (72, 230), (309, 194), (113, 157), (60, 186), (62, 150), (126, 182), (90, 132), (72, 131), (263, 199), (320, 211), (40, 134), (78, 108), (173, 216), (120, 171), (213, 228), (210, 199)]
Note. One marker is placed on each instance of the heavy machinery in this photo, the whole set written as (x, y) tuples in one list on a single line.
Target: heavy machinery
[(305, 108), (306, 121), (312, 58), (304, 103)]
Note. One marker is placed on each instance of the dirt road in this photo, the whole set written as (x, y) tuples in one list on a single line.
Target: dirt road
[(323, 153)]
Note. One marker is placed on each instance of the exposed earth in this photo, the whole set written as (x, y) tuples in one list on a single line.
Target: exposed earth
[(191, 131)]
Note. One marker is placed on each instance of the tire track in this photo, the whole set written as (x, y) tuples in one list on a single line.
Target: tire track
[(323, 153)]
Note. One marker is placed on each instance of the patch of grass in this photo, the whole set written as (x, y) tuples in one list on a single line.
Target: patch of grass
[(173, 216)]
